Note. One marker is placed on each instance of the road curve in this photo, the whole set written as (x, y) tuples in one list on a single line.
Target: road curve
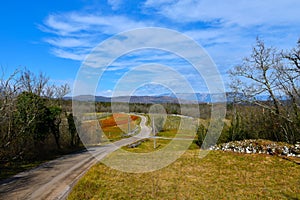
[(54, 179)]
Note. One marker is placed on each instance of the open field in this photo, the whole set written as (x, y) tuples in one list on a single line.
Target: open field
[(113, 126), (220, 175)]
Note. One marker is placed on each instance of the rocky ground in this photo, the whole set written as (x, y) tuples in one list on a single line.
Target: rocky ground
[(260, 147)]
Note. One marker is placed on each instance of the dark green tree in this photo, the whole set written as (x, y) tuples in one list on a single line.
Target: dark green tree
[(201, 133), (54, 121), (30, 117), (72, 130)]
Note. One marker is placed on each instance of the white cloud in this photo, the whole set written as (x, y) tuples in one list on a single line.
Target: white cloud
[(61, 25), (68, 42), (242, 12), (236, 25), (115, 4), (68, 55), (155, 3), (228, 28), (76, 33), (78, 22), (106, 93)]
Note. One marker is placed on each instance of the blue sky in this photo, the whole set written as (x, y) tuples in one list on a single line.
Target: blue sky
[(54, 37)]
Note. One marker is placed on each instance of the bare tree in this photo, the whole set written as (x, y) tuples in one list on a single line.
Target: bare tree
[(294, 57), (289, 76), (275, 74), (32, 83), (62, 91), (9, 89), (257, 76)]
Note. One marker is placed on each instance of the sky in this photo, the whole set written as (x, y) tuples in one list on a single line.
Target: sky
[(57, 37)]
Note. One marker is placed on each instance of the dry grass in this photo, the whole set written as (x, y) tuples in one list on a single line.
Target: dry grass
[(220, 175)]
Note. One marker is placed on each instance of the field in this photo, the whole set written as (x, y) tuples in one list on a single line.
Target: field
[(114, 127), (219, 175), (165, 136)]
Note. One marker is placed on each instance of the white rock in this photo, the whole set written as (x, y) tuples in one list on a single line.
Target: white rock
[(291, 155), (285, 150), (248, 150)]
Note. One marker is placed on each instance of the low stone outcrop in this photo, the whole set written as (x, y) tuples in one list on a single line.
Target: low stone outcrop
[(260, 147)]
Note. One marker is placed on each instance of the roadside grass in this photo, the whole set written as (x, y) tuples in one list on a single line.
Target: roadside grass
[(219, 175)]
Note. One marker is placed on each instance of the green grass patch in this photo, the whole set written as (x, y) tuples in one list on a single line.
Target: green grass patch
[(148, 146), (220, 175)]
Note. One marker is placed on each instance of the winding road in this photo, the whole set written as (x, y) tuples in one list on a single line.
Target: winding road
[(55, 179)]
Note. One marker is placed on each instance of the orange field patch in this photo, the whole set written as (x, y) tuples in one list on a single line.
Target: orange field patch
[(113, 126), (116, 119)]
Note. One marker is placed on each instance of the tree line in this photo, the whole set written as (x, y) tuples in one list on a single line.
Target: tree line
[(33, 118)]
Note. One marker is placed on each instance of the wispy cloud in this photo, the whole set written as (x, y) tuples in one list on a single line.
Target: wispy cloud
[(74, 34), (115, 4), (68, 42), (243, 12), (67, 54), (225, 28), (222, 24)]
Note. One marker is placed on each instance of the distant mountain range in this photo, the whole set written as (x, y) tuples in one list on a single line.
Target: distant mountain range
[(131, 99), (202, 97), (183, 98), (163, 98)]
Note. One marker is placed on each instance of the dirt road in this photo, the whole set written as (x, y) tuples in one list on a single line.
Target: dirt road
[(54, 179)]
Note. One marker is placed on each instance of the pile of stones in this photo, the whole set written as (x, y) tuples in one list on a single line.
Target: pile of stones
[(260, 147)]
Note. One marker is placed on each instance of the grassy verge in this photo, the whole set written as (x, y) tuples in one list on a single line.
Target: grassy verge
[(220, 175)]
